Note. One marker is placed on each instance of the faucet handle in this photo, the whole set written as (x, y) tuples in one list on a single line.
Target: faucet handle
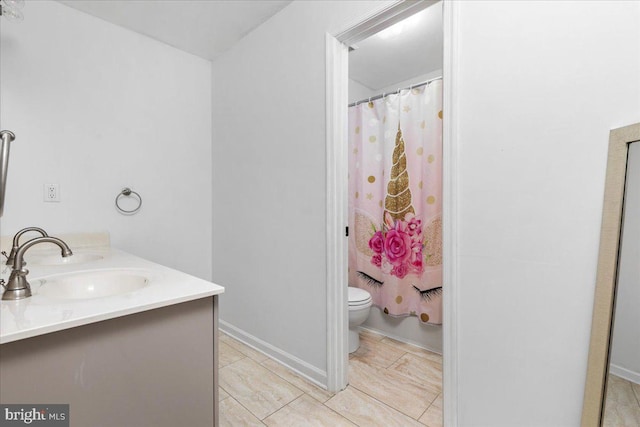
[(10, 257)]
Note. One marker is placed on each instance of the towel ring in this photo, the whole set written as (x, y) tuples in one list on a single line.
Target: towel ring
[(128, 192)]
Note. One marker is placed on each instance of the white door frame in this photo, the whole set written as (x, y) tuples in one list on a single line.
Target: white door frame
[(337, 76), (336, 121)]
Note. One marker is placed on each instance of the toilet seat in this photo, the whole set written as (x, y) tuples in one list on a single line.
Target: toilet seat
[(358, 297)]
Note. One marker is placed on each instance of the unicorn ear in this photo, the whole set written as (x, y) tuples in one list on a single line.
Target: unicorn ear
[(432, 241), (397, 202), (388, 220), (364, 227)]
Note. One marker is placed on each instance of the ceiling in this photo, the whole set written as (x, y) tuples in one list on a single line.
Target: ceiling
[(405, 50), (205, 28)]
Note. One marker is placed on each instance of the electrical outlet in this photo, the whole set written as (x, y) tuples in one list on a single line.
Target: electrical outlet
[(51, 193)]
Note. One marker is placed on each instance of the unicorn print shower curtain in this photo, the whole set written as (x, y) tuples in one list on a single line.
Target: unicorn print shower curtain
[(395, 201)]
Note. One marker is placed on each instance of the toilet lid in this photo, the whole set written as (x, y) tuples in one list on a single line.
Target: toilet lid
[(358, 296)]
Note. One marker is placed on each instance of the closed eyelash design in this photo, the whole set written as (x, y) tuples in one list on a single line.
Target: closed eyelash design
[(428, 294), (371, 281)]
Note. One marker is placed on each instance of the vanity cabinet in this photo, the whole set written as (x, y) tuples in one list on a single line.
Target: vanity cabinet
[(152, 368)]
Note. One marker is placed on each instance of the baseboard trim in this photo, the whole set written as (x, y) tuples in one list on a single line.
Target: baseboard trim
[(401, 339), (626, 374), (297, 365)]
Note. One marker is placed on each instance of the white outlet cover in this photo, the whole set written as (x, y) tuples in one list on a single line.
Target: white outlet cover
[(51, 193)]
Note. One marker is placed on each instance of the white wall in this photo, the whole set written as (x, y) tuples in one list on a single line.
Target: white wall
[(625, 347), (96, 108), (358, 91), (269, 177), (539, 86)]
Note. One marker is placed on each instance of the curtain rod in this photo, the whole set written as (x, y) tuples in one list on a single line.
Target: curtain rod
[(373, 98)]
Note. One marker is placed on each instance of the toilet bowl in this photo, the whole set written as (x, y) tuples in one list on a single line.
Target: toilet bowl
[(359, 307)]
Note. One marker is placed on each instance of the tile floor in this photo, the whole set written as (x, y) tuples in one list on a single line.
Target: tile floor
[(390, 384), (622, 407)]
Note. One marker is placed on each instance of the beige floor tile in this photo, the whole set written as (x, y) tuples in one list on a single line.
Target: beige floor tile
[(371, 335), (222, 394), (283, 372), (227, 355), (406, 378), (621, 406), (432, 417), (255, 387), (243, 348), (233, 414), (376, 352), (308, 412), (438, 402), (366, 411), (621, 416), (426, 372), (636, 391), (392, 388), (421, 352), (620, 391)]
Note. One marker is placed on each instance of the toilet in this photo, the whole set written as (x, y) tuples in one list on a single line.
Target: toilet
[(359, 307)]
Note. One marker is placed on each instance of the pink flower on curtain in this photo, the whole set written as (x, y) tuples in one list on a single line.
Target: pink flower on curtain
[(376, 243), (416, 259), (400, 270), (377, 260), (397, 246), (398, 250), (414, 225)]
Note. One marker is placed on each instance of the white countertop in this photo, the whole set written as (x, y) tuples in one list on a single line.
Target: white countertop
[(41, 314)]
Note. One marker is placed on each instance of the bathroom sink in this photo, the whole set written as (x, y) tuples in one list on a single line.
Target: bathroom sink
[(56, 259), (94, 284)]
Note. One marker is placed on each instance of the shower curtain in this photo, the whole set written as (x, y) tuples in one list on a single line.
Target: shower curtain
[(395, 201)]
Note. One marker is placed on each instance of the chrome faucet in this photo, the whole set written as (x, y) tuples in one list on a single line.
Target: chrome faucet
[(16, 242), (17, 287)]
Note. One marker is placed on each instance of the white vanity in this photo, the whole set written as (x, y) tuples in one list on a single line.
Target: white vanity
[(122, 340)]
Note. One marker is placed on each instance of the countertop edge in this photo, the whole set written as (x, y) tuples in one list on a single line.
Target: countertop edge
[(43, 330), (204, 289)]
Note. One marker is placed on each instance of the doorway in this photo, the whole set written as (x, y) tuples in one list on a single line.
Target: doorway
[(395, 80), (337, 101)]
